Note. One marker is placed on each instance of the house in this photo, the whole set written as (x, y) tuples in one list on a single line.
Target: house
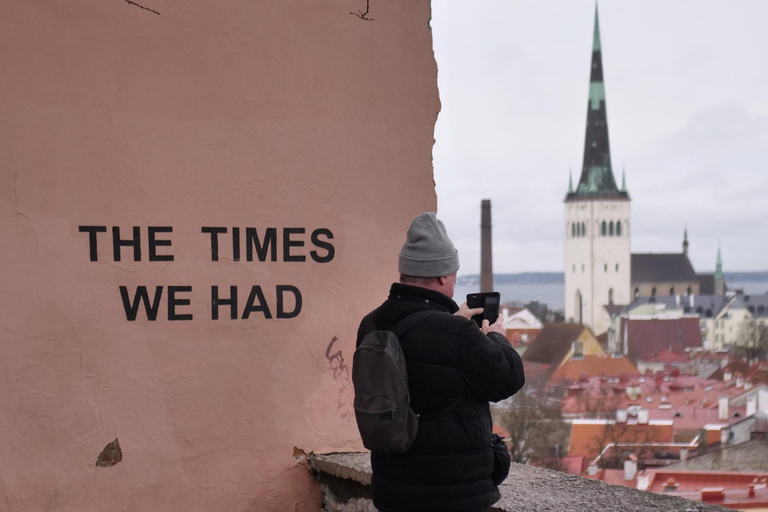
[(662, 360), (749, 456), (641, 338), (723, 318), (557, 343), (609, 438), (521, 324)]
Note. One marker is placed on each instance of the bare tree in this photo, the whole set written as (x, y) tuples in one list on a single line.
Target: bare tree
[(537, 432), (752, 342)]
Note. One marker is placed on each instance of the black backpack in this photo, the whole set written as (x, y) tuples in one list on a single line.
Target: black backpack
[(385, 419)]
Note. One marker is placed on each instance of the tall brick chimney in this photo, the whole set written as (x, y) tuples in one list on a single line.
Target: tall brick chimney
[(486, 254)]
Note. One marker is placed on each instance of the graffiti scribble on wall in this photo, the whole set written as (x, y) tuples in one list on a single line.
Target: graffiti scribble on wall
[(342, 376)]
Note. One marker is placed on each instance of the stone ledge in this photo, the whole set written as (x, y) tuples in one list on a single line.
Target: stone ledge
[(526, 488)]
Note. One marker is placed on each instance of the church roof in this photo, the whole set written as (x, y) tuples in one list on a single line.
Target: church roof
[(707, 284), (597, 180), (662, 268)]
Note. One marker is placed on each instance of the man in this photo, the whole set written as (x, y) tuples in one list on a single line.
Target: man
[(454, 370)]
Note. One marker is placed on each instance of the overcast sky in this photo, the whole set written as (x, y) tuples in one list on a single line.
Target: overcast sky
[(687, 99)]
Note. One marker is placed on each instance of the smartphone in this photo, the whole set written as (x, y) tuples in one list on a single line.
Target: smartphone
[(489, 301)]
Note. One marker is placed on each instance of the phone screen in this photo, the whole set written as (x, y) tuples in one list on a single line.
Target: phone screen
[(489, 301)]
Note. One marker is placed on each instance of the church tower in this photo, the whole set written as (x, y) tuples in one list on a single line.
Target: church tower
[(597, 220)]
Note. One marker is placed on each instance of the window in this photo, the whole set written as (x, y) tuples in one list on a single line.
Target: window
[(610, 229), (688, 291), (605, 267), (672, 291), (604, 228), (610, 296), (574, 268), (653, 291), (573, 230), (617, 267), (637, 292), (584, 229), (582, 268), (618, 229)]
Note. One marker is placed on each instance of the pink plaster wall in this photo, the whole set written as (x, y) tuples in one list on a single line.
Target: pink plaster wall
[(240, 113)]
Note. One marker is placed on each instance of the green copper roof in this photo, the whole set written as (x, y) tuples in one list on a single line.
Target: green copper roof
[(596, 37), (597, 172), (570, 182)]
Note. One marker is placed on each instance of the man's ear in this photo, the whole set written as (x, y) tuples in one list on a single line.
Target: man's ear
[(443, 280)]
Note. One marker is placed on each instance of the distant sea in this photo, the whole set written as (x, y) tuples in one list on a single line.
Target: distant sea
[(549, 288)]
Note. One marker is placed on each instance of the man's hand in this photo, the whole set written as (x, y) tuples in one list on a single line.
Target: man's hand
[(468, 313), (497, 326)]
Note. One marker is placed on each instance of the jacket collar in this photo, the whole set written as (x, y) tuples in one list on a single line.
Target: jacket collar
[(410, 293)]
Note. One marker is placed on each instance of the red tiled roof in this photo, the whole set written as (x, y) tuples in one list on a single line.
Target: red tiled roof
[(593, 366), (536, 372), (698, 480), (648, 337), (586, 435), (573, 464), (734, 366), (694, 418), (665, 356)]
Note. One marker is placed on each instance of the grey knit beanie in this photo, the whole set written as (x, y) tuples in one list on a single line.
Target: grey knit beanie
[(427, 251)]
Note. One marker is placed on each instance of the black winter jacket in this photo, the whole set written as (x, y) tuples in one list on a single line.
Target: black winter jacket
[(452, 367)]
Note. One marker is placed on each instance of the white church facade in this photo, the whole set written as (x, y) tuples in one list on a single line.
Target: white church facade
[(602, 276)]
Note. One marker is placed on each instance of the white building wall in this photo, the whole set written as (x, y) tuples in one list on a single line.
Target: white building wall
[(596, 264)]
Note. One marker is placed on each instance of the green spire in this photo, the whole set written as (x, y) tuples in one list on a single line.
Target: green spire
[(597, 179), (570, 181), (719, 265), (596, 38)]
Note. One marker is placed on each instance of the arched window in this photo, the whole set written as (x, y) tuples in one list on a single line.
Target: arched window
[(584, 228), (617, 267), (672, 291), (610, 296), (605, 267), (637, 292), (618, 228), (688, 291), (573, 230), (610, 229), (653, 291), (604, 229), (578, 312)]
